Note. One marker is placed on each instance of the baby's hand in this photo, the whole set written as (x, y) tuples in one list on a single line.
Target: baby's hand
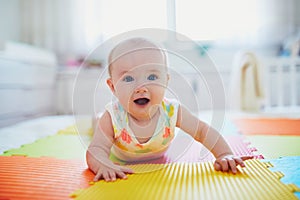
[(111, 173), (230, 162)]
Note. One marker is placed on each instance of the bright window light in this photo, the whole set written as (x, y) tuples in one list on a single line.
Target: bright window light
[(211, 20), (132, 14)]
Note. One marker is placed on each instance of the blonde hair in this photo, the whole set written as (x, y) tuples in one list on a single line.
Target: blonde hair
[(136, 44)]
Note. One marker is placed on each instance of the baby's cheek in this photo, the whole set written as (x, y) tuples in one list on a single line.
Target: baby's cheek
[(124, 91), (160, 90)]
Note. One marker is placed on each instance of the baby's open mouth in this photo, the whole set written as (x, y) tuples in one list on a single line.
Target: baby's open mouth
[(141, 101)]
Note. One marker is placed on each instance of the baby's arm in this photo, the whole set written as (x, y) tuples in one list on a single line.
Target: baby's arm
[(97, 155), (211, 139)]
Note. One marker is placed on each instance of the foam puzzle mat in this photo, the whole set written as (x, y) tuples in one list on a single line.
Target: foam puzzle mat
[(268, 126), (290, 167), (193, 181), (54, 168), (50, 178), (275, 146), (41, 178), (182, 149), (63, 146)]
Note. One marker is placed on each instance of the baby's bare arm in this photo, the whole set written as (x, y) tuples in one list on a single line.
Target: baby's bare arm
[(211, 139), (202, 132), (98, 152)]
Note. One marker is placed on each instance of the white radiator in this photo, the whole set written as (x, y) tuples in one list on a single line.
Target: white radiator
[(282, 84)]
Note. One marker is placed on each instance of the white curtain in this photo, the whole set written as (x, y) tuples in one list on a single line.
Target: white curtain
[(235, 22), (68, 27), (75, 27)]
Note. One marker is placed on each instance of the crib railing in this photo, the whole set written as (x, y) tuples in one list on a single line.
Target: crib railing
[(282, 84)]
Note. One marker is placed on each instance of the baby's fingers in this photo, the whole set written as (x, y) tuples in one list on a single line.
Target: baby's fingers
[(246, 157), (112, 175), (121, 174), (217, 166), (106, 176), (232, 165), (126, 170), (98, 176), (240, 160), (221, 165)]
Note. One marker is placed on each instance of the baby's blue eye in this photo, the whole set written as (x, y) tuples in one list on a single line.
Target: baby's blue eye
[(152, 77), (128, 78)]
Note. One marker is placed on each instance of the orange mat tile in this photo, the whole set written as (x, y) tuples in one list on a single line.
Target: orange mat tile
[(41, 178), (276, 126)]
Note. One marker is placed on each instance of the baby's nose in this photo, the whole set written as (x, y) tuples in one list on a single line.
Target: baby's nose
[(141, 89)]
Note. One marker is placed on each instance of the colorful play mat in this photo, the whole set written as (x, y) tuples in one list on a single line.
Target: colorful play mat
[(54, 167)]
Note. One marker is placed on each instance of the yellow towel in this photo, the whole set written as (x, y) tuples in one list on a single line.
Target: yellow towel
[(246, 85)]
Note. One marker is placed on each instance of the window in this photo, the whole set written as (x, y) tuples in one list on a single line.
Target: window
[(214, 19), (115, 17)]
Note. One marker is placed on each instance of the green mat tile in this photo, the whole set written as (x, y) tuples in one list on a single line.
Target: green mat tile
[(59, 146), (276, 146)]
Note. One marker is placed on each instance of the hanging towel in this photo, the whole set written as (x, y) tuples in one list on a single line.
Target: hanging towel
[(246, 85)]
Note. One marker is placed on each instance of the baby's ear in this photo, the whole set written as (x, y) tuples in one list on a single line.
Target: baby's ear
[(110, 85)]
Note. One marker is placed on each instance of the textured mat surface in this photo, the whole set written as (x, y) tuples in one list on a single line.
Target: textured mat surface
[(276, 126), (51, 178), (276, 146), (41, 178), (290, 167), (193, 181), (182, 149), (59, 146)]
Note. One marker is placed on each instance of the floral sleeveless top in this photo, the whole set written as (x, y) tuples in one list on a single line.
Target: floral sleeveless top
[(126, 146)]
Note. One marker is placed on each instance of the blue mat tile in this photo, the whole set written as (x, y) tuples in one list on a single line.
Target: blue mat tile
[(290, 167)]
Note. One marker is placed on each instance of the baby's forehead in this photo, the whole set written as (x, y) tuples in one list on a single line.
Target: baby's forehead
[(134, 52), (134, 46)]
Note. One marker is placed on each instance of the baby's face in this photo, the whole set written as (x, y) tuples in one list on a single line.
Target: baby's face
[(139, 80)]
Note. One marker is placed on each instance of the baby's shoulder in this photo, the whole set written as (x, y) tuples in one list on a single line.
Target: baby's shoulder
[(170, 106), (114, 107), (170, 101)]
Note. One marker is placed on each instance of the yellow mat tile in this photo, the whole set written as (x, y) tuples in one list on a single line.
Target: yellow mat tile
[(193, 181)]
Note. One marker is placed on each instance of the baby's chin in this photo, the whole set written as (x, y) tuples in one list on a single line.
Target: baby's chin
[(142, 112)]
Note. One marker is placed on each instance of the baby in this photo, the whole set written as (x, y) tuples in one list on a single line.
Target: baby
[(140, 124)]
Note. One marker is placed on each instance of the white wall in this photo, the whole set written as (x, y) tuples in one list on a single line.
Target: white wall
[(9, 21)]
